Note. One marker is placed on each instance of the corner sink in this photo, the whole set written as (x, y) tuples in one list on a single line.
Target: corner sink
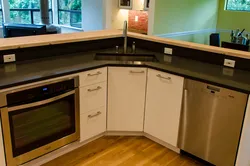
[(126, 57)]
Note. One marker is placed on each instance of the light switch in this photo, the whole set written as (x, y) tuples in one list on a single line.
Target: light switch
[(136, 18)]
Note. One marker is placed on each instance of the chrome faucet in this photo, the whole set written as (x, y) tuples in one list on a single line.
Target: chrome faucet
[(125, 35)]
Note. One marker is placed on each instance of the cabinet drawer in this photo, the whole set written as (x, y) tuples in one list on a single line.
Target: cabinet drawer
[(92, 123), (93, 76), (92, 97)]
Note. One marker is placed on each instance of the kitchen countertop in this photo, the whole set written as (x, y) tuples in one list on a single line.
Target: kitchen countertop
[(41, 69)]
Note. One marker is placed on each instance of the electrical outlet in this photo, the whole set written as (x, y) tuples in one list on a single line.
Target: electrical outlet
[(136, 18), (168, 50), (9, 58), (228, 71), (229, 63), (167, 58), (11, 67)]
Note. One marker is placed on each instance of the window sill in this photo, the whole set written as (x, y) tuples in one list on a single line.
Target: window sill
[(70, 27)]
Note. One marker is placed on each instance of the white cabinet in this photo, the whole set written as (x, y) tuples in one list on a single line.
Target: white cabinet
[(126, 98), (93, 102), (125, 4), (2, 156), (163, 106), (92, 123), (93, 76), (243, 158), (93, 96)]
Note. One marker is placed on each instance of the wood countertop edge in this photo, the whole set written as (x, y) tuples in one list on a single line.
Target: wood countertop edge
[(202, 47), (43, 40)]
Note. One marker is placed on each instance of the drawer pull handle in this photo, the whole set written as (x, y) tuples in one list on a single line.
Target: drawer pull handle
[(160, 76), (95, 89), (97, 73), (92, 116), (136, 72)]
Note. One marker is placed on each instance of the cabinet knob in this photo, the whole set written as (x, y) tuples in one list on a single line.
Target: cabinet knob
[(137, 72), (92, 116), (160, 76), (95, 74), (95, 89)]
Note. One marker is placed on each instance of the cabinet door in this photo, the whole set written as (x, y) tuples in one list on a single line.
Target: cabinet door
[(126, 4), (243, 158), (126, 98), (163, 106), (2, 156), (93, 76), (92, 97), (146, 4), (92, 123)]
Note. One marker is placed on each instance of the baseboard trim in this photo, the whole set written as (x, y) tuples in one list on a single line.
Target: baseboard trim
[(59, 152), (70, 147), (124, 133), (171, 147)]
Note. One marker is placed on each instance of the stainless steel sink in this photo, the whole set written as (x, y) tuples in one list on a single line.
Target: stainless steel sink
[(126, 57)]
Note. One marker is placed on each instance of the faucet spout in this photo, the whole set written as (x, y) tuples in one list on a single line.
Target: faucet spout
[(125, 35)]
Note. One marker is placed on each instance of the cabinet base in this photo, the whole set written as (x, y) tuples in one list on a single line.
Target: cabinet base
[(59, 152), (171, 147), (124, 133)]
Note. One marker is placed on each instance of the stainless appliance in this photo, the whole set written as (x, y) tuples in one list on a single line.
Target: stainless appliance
[(211, 122), (39, 119)]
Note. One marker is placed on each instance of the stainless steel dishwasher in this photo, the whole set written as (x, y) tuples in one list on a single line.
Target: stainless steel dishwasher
[(211, 122)]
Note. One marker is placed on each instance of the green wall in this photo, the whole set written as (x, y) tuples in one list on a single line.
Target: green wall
[(180, 16), (231, 20), (202, 38)]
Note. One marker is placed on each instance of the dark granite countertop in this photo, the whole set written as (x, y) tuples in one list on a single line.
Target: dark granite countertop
[(36, 70)]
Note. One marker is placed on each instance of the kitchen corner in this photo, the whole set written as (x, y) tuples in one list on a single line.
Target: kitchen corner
[(120, 96)]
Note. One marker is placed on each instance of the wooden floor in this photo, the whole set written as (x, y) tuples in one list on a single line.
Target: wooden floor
[(122, 151)]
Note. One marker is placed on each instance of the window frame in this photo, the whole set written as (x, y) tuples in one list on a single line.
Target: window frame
[(30, 10), (226, 4), (68, 11)]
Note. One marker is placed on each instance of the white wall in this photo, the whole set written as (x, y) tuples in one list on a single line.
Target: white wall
[(93, 12), (120, 15)]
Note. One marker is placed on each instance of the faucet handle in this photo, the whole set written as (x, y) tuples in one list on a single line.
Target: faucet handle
[(117, 49), (125, 27)]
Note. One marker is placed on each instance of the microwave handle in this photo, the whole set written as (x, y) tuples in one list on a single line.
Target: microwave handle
[(30, 105)]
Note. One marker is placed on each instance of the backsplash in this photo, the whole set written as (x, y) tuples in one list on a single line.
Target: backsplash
[(140, 25)]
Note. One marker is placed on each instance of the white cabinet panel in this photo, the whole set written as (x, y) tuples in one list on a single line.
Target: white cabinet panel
[(92, 123), (163, 106), (93, 76), (92, 97), (243, 158), (126, 98), (2, 155)]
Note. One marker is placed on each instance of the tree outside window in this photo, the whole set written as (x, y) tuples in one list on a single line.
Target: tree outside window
[(238, 5), (69, 12), (26, 11), (1, 12)]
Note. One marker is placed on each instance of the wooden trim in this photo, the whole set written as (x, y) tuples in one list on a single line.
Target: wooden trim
[(52, 39), (123, 133), (202, 47), (42, 40)]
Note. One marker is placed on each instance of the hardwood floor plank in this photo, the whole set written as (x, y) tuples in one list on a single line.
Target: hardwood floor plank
[(122, 151)]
